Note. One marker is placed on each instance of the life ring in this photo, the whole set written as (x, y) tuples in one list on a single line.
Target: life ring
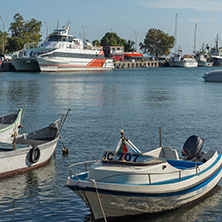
[(34, 154)]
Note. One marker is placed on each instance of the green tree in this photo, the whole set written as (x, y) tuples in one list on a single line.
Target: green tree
[(129, 46), (32, 30), (96, 42), (112, 39), (157, 43), (5, 41), (17, 26), (23, 32)]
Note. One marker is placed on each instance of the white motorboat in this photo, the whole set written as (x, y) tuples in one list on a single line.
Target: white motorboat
[(216, 53), (9, 126), (213, 76), (186, 61), (29, 150), (131, 183), (71, 54), (203, 60)]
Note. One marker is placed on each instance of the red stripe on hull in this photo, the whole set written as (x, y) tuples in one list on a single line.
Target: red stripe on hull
[(97, 63), (22, 170), (93, 63)]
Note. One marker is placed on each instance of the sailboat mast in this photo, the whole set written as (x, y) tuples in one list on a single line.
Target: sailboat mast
[(195, 36), (175, 47)]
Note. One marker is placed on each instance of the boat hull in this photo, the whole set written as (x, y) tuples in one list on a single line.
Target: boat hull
[(155, 192), (213, 76), (204, 64), (120, 204), (65, 65), (25, 64), (7, 130), (217, 60), (17, 161), (30, 150), (183, 64)]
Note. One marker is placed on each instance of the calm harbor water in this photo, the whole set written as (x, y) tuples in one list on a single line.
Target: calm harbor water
[(138, 101)]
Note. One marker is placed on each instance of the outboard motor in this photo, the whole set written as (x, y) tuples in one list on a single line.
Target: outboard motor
[(192, 147)]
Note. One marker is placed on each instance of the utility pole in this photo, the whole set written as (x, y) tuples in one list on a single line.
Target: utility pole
[(136, 33), (3, 35)]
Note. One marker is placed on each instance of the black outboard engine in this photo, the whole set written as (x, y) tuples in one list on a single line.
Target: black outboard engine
[(192, 147)]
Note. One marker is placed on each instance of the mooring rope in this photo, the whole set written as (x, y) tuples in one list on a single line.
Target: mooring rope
[(100, 202)]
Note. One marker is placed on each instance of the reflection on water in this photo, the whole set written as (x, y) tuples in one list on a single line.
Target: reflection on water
[(28, 184), (138, 101)]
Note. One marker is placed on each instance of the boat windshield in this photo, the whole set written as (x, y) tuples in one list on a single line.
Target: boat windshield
[(60, 38)]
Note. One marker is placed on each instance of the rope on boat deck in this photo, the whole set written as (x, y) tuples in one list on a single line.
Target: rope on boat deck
[(100, 202)]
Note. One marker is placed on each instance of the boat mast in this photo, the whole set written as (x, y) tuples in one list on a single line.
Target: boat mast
[(195, 35), (175, 47), (216, 41)]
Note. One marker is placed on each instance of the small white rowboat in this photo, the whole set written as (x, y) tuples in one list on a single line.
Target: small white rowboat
[(9, 125), (29, 150)]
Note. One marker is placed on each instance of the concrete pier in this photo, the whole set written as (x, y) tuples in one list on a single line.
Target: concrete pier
[(136, 64)]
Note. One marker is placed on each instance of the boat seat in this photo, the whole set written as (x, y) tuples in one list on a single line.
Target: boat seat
[(31, 142), (164, 152), (169, 153)]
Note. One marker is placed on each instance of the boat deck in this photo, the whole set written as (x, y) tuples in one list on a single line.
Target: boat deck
[(183, 164), (2, 126)]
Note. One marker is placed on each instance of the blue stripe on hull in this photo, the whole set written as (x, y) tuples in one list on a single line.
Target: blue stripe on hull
[(188, 177), (189, 190)]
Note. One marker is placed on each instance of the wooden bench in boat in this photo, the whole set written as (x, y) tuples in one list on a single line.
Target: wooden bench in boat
[(32, 141)]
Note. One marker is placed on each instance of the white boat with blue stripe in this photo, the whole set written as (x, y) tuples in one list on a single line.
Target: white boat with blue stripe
[(127, 183)]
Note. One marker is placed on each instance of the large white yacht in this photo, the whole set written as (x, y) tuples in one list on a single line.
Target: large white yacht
[(71, 54), (63, 52)]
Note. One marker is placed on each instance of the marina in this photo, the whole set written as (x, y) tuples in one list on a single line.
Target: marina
[(137, 100)]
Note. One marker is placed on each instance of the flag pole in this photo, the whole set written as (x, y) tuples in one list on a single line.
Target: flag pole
[(160, 136)]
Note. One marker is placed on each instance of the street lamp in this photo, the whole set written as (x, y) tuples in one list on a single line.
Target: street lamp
[(80, 35), (3, 34), (84, 33), (46, 29)]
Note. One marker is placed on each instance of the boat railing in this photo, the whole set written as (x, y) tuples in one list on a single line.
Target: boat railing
[(149, 175), (86, 163)]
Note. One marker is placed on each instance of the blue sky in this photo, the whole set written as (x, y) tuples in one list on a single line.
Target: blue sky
[(125, 17)]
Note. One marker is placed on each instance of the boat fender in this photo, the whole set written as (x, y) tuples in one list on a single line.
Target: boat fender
[(34, 154)]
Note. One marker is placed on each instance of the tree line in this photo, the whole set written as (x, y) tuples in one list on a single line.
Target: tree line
[(156, 42)]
